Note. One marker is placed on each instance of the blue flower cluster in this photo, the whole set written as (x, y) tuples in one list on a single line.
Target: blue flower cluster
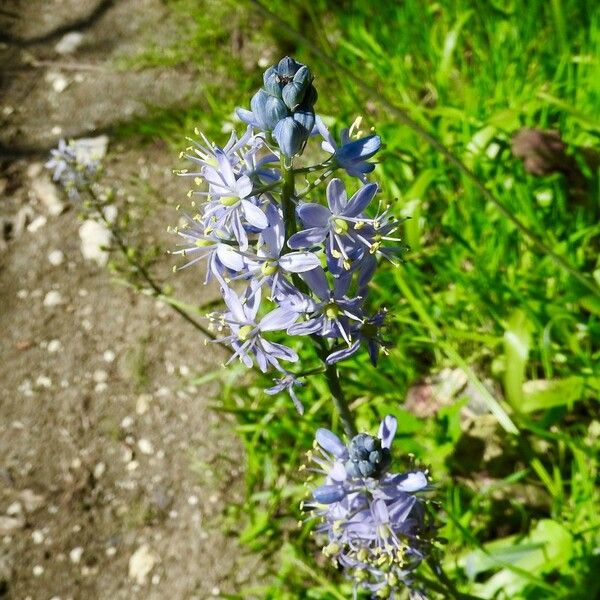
[(374, 521), (72, 169), (311, 283)]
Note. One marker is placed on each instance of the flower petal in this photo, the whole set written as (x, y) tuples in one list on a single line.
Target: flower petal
[(307, 238), (299, 262), (413, 482), (331, 443), (314, 215), (360, 200), (387, 431), (328, 494), (277, 319), (336, 196), (254, 215), (230, 258)]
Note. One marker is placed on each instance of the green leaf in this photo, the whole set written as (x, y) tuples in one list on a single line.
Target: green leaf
[(542, 394), (517, 340)]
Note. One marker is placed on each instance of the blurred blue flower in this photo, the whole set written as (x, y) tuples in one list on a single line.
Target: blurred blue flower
[(72, 169)]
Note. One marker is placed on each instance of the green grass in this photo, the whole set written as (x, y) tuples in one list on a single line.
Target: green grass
[(521, 512)]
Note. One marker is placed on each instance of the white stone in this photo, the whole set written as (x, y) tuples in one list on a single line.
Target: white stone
[(109, 356), (142, 403), (91, 149), (111, 551), (75, 554), (142, 561), (99, 470), (95, 237), (127, 422), (145, 446), (14, 509), (56, 258), (54, 346), (53, 298), (10, 524), (31, 501), (38, 570), (37, 224), (193, 500), (37, 536), (43, 381), (100, 375), (69, 42), (47, 194)]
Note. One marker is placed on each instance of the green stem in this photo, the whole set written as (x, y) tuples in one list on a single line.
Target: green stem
[(331, 374), (287, 200)]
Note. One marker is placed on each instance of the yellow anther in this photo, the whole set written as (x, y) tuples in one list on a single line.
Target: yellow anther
[(340, 226), (244, 332), (229, 200)]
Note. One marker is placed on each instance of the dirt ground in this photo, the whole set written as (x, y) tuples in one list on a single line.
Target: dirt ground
[(114, 471)]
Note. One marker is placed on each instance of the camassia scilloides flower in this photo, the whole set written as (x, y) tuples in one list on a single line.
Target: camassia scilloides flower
[(374, 521)]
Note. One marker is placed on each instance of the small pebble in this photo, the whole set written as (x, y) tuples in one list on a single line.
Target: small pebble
[(193, 500), (43, 382), (37, 536), (111, 551), (145, 446), (53, 298), (127, 422), (38, 570), (37, 224), (75, 554), (56, 258), (99, 376), (54, 346), (108, 356), (14, 509)]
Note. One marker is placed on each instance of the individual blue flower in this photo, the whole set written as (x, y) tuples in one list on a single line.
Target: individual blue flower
[(269, 265), (247, 332), (350, 154), (368, 332), (286, 383), (336, 224), (230, 201), (200, 243), (333, 316)]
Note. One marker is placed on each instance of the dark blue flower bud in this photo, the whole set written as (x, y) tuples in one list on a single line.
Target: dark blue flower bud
[(287, 67), (267, 110), (290, 135), (305, 117), (328, 494), (367, 457), (271, 82), (293, 93)]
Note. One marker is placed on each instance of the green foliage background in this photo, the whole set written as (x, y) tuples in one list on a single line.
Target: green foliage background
[(476, 310)]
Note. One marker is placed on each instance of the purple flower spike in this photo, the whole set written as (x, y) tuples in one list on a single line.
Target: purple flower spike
[(376, 527)]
